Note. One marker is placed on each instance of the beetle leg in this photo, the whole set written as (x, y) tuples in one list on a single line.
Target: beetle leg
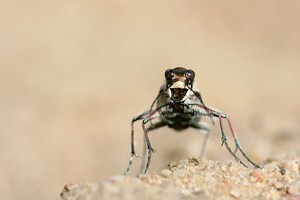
[(202, 126), (152, 127), (133, 153)]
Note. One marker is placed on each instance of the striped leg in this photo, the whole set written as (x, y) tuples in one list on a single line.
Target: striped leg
[(205, 111), (133, 154), (152, 127)]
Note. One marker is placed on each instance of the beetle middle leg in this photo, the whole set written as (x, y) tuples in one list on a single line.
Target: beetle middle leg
[(202, 126)]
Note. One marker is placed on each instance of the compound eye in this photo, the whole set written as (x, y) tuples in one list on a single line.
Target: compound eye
[(169, 74), (190, 74)]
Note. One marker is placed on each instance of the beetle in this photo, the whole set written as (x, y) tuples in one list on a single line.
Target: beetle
[(179, 105)]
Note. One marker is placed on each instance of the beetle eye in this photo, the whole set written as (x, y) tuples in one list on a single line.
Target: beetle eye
[(190, 74), (169, 74)]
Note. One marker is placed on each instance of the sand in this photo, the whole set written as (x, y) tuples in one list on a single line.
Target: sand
[(278, 178)]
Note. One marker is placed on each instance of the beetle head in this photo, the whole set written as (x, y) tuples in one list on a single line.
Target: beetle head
[(178, 81)]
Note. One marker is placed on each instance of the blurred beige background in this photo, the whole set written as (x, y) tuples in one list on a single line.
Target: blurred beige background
[(74, 73)]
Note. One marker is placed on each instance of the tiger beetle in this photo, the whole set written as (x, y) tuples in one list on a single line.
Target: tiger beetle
[(179, 106)]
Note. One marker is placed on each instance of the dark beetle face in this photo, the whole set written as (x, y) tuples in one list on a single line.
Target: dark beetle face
[(177, 94), (180, 74), (178, 81)]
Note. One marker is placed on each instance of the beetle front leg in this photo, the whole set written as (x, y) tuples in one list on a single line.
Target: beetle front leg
[(152, 127), (237, 143), (155, 114), (206, 111), (133, 153)]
